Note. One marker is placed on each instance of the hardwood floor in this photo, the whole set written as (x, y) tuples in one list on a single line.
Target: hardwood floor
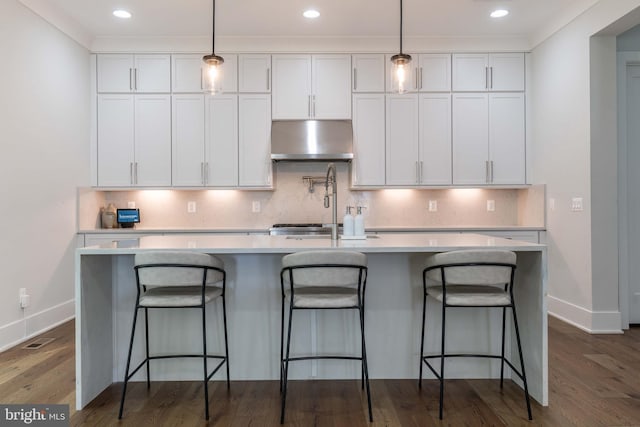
[(594, 380)]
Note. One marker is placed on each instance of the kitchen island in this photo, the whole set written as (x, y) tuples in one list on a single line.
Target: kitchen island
[(105, 297)]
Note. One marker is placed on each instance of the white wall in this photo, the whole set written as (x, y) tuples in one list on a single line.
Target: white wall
[(568, 149), (44, 132)]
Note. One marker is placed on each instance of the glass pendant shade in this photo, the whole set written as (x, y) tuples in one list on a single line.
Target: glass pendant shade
[(401, 73), (213, 63), (213, 73)]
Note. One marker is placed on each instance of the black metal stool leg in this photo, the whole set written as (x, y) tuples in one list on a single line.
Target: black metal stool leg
[(364, 363), (442, 361), (282, 345), (524, 376), (204, 362), (126, 372), (146, 344), (286, 366), (424, 311), (226, 340), (504, 315)]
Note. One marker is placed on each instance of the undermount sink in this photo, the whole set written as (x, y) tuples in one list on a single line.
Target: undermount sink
[(321, 236)]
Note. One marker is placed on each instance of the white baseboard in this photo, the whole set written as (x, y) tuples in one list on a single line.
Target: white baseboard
[(26, 328), (593, 322)]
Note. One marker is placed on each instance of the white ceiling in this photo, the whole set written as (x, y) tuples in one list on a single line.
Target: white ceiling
[(92, 19)]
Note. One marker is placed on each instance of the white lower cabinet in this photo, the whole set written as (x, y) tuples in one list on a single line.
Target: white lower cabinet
[(254, 141), (418, 140), (488, 139), (368, 165), (134, 140)]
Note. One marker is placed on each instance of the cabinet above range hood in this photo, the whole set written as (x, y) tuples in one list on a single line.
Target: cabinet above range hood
[(311, 140)]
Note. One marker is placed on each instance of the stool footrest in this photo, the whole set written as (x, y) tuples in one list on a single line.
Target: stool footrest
[(483, 356), (180, 356)]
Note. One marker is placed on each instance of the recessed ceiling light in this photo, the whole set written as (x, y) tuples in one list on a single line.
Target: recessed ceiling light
[(311, 14), (121, 13), (499, 13)]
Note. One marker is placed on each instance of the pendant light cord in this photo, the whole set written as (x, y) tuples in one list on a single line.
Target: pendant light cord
[(213, 32), (400, 27)]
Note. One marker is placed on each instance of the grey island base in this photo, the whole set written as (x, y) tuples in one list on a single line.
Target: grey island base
[(105, 297)]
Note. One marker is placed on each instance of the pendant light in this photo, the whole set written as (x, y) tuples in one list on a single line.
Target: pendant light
[(213, 63), (401, 71)]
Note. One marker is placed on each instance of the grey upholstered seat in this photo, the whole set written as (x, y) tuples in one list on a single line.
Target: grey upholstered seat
[(323, 287), (176, 286), (470, 285)]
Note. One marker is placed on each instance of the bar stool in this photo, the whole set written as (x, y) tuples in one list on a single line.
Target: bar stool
[(471, 278), (324, 279), (171, 279)]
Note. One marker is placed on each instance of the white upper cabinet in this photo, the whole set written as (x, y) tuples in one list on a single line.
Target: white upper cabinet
[(188, 143), (368, 165), (435, 139), (402, 165), (488, 72), (134, 73), (489, 139), (134, 140), (368, 73), (311, 86), (221, 135), (254, 144), (254, 73), (434, 72)]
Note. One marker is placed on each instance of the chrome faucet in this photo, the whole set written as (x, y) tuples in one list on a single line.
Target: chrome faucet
[(331, 179)]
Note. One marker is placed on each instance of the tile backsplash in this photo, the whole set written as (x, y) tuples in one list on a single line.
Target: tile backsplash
[(293, 202)]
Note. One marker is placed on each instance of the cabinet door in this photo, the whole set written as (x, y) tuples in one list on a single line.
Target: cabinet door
[(331, 83), (368, 165), (255, 140), (187, 146), (186, 76), (291, 86), (470, 72), (507, 138), (222, 140), (402, 140), (254, 73), (506, 71), (115, 73), (470, 139), (115, 140), (368, 73), (434, 72), (435, 139), (230, 73), (152, 167), (152, 74)]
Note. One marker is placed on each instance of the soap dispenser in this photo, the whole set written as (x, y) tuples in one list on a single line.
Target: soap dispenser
[(358, 222), (348, 222)]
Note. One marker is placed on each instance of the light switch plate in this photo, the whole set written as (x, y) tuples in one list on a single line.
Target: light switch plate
[(131, 205), (491, 205), (433, 205), (576, 204), (191, 207), (255, 206)]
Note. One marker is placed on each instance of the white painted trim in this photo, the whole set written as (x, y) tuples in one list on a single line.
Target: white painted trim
[(35, 324), (593, 322), (624, 59)]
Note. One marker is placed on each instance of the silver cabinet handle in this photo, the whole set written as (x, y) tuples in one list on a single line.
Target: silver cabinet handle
[(135, 173), (268, 78), (417, 173), (486, 77), (491, 79), (486, 171), (421, 167), (202, 173), (135, 73), (131, 173), (130, 78), (206, 173), (421, 82), (491, 165), (309, 105), (416, 79), (355, 79)]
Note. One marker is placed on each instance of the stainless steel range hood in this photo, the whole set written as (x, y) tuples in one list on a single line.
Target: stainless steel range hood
[(298, 140)]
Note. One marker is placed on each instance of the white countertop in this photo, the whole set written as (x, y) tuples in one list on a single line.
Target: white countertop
[(255, 244), (258, 230)]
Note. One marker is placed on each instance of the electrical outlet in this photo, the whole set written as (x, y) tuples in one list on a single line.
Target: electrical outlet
[(491, 205), (433, 206), (24, 298), (191, 207), (255, 206), (131, 204), (576, 204)]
